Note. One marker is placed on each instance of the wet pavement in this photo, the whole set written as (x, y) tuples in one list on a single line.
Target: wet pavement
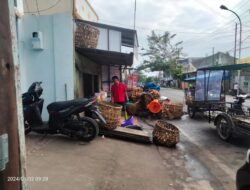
[(201, 161)]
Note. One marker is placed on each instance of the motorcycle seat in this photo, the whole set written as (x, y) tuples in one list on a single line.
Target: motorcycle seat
[(57, 106)]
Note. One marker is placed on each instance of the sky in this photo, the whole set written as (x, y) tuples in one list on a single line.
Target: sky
[(200, 24)]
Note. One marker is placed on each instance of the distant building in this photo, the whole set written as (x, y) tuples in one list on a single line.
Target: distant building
[(191, 64)]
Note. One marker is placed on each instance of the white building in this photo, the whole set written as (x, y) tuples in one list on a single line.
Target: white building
[(48, 53)]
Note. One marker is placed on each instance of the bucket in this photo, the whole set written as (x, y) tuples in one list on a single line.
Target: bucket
[(154, 106)]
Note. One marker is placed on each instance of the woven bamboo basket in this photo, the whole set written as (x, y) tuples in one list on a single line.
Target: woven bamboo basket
[(166, 134), (86, 36), (172, 110), (112, 114)]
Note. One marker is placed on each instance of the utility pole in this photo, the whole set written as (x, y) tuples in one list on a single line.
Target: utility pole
[(235, 43), (225, 8), (11, 124), (134, 14), (213, 55)]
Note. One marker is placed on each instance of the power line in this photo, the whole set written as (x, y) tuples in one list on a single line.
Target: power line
[(207, 36)]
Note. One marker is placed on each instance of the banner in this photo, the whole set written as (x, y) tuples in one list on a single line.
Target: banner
[(132, 81)]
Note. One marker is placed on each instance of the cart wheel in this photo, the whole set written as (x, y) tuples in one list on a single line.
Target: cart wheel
[(224, 127), (191, 111)]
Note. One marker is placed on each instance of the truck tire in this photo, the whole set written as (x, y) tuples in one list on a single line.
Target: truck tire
[(224, 126)]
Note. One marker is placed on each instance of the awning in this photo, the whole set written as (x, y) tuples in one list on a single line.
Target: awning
[(104, 57), (228, 67), (189, 79)]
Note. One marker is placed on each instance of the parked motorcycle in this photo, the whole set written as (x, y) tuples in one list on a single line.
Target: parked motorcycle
[(64, 116), (237, 106)]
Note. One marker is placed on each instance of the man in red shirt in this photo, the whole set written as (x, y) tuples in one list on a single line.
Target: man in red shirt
[(118, 92)]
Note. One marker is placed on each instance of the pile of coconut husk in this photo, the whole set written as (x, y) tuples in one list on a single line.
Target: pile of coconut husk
[(169, 109), (135, 94)]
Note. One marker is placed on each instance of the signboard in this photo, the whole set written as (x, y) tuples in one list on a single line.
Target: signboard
[(244, 60), (132, 81)]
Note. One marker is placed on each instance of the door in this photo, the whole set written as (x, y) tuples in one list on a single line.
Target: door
[(88, 89)]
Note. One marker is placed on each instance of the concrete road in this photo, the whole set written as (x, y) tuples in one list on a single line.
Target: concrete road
[(200, 161)]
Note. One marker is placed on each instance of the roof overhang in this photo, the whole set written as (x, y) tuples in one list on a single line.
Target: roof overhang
[(104, 57), (128, 36), (228, 67)]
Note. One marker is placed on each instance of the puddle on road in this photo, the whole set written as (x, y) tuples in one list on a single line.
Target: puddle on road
[(194, 167)]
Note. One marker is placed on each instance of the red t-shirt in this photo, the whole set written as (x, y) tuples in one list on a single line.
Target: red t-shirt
[(118, 92)]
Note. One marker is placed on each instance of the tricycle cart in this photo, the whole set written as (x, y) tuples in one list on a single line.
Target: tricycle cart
[(208, 98)]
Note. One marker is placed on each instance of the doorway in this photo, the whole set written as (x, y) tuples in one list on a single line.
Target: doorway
[(87, 85)]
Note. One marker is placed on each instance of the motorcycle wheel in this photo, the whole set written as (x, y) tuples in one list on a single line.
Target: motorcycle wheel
[(89, 130)]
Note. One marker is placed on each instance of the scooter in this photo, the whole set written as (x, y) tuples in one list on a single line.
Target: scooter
[(64, 116), (236, 106)]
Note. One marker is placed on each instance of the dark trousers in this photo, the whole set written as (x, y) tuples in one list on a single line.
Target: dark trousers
[(122, 104)]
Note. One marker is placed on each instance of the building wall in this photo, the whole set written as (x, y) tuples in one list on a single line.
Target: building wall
[(84, 10), (53, 65), (109, 40), (48, 7)]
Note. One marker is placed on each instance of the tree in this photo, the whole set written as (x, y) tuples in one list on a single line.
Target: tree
[(150, 79), (162, 54), (141, 77)]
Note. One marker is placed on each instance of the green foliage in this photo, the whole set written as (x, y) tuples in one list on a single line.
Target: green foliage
[(176, 71), (150, 79), (142, 78), (162, 54)]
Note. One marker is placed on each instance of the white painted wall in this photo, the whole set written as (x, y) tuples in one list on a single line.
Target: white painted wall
[(48, 7), (53, 65), (103, 39), (84, 10), (114, 40), (63, 56)]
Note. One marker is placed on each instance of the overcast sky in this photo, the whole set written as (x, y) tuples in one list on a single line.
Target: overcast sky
[(200, 24)]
